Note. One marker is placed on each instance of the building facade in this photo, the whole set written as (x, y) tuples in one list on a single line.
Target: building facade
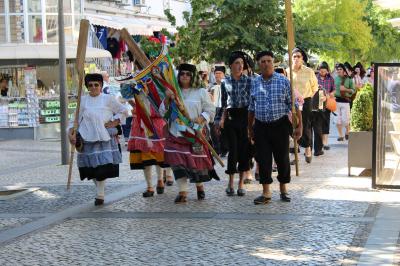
[(36, 21)]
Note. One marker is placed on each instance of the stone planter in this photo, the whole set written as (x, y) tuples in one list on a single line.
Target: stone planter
[(360, 150)]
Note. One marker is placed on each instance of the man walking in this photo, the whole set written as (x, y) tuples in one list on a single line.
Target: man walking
[(269, 125)]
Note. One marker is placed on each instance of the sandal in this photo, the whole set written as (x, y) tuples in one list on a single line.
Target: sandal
[(180, 199)]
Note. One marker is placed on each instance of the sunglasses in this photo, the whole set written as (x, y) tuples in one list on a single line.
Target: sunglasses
[(185, 73)]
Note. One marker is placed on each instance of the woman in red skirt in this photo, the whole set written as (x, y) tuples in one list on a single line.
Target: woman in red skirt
[(189, 160), (146, 151)]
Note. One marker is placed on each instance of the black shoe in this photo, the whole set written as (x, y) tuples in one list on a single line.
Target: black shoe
[(340, 139), (318, 153), (257, 176), (169, 183), (327, 148), (241, 192), (201, 195), (98, 202), (247, 181), (230, 191), (148, 194), (346, 137), (180, 199), (308, 159), (261, 200), (160, 190), (284, 197)]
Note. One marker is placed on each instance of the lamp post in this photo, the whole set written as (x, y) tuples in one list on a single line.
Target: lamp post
[(63, 90)]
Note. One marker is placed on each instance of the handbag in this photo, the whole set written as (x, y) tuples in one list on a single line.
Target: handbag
[(331, 104), (79, 142)]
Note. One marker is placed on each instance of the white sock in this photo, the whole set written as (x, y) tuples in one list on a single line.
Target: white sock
[(100, 189), (168, 171), (159, 171), (182, 184), (147, 176)]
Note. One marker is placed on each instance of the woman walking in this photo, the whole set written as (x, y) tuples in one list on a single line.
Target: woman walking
[(99, 115), (189, 160)]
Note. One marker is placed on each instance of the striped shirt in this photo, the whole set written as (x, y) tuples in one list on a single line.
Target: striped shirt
[(270, 99)]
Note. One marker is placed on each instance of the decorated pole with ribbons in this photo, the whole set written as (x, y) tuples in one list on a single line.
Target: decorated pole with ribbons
[(80, 66), (154, 80), (291, 43)]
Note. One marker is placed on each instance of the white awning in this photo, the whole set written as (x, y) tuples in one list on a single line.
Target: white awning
[(46, 51), (135, 26)]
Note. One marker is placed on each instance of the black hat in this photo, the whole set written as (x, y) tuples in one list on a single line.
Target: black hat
[(220, 68), (264, 53), (187, 67), (238, 54), (323, 65), (303, 54), (93, 77)]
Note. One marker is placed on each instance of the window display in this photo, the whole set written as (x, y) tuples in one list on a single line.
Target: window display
[(386, 155)]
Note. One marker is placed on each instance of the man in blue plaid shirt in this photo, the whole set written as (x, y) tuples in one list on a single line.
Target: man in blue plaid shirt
[(269, 125)]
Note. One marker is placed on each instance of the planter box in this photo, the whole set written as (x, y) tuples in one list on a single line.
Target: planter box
[(360, 150)]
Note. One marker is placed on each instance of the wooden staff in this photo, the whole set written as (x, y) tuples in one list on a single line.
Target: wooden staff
[(144, 62), (80, 66), (290, 37)]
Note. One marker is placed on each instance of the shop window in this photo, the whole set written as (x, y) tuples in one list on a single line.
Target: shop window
[(17, 29), (52, 28), (2, 29), (52, 6), (2, 7), (16, 6), (34, 6), (35, 29), (77, 6)]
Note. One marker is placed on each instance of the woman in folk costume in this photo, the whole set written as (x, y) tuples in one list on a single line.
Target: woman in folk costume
[(99, 114), (189, 160), (147, 150)]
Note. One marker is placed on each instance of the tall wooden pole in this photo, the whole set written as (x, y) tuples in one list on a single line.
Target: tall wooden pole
[(80, 66), (290, 37)]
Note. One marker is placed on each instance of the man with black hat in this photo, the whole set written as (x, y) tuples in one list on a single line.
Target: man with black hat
[(305, 81), (269, 125), (235, 98)]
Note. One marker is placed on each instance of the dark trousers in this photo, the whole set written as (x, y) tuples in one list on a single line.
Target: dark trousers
[(126, 129), (326, 122), (272, 139), (318, 119), (307, 116), (235, 131)]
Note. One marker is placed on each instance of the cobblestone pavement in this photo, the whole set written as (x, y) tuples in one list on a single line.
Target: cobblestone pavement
[(330, 220)]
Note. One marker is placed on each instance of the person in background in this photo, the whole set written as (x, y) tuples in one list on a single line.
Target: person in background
[(106, 84), (344, 89), (305, 81), (359, 76), (203, 79), (212, 79), (215, 93), (3, 87), (327, 83)]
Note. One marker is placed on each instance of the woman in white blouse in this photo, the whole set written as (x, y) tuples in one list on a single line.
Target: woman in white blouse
[(188, 160), (99, 115)]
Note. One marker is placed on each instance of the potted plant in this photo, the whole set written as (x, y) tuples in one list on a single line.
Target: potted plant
[(361, 124)]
